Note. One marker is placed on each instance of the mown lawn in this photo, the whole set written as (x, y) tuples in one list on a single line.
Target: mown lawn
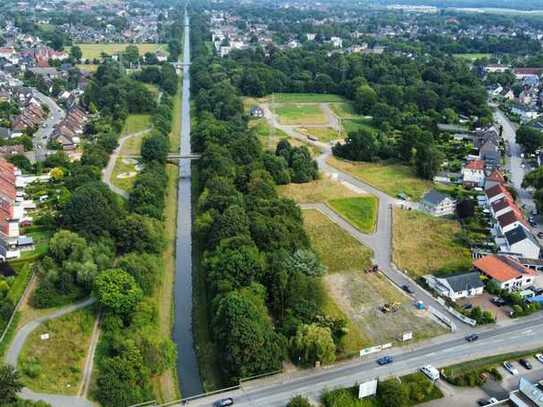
[(324, 134), (351, 125), (94, 51), (361, 212), (55, 365), (423, 244), (300, 114), (472, 56), (389, 178), (305, 98), (320, 190), (92, 68), (135, 123)]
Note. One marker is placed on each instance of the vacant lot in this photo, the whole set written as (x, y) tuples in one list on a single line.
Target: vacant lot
[(320, 190), (305, 98), (55, 365), (423, 244), (359, 295), (135, 123), (300, 114), (361, 212), (389, 178), (324, 134), (94, 51)]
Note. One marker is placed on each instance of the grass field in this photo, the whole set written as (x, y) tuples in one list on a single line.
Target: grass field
[(320, 190), (305, 98), (359, 295), (300, 114), (350, 125), (344, 110), (55, 365), (270, 138), (389, 178), (324, 134), (123, 168), (361, 212), (472, 56), (92, 68), (135, 123), (94, 51), (424, 244)]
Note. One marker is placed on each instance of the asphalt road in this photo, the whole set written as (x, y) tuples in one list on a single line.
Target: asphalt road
[(43, 134), (187, 363), (454, 349)]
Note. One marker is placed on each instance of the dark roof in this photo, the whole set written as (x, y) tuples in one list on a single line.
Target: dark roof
[(434, 197), (466, 281), (518, 234)]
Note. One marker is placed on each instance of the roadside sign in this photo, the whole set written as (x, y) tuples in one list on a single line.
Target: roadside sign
[(407, 336), (367, 389)]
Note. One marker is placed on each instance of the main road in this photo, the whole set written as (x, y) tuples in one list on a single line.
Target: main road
[(187, 364)]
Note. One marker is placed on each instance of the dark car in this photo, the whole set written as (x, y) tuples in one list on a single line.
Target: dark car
[(224, 402), (467, 306), (498, 301), (472, 337), (483, 402), (407, 289), (525, 363), (385, 360), (540, 235)]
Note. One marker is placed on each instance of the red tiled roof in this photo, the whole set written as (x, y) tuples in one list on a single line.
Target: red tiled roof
[(511, 217), (496, 176), (502, 203), (497, 190), (475, 165), (501, 268), (527, 71)]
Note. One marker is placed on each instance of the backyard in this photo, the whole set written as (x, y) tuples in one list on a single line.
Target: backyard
[(423, 244), (389, 178), (54, 365)]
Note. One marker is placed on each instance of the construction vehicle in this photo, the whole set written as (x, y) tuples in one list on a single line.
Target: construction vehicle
[(373, 269), (390, 307)]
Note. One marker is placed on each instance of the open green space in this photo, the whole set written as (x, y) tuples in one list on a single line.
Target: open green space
[(124, 174), (135, 123), (390, 178), (55, 365), (324, 134), (359, 295), (94, 51), (300, 114), (472, 56), (176, 121), (350, 125), (92, 68), (344, 110), (305, 98), (361, 212), (320, 190), (424, 244)]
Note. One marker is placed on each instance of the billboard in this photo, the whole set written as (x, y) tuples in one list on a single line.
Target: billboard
[(367, 389)]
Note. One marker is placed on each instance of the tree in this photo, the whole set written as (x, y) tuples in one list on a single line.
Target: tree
[(305, 261), (75, 53), (299, 401), (365, 98), (131, 54), (360, 145), (10, 384), (529, 138), (427, 160), (155, 148), (140, 233), (393, 394), (313, 343), (143, 267), (465, 208), (117, 291), (21, 162)]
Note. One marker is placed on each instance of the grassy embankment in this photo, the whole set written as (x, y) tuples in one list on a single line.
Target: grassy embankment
[(423, 244), (56, 365)]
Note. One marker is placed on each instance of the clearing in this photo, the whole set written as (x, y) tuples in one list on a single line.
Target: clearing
[(94, 51), (472, 56), (361, 212), (55, 365), (305, 98), (135, 123), (300, 114), (320, 190), (124, 173), (423, 244), (324, 134), (359, 295), (389, 178)]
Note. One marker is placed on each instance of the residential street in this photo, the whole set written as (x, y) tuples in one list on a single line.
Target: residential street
[(42, 135)]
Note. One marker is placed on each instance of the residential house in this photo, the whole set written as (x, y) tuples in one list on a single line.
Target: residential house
[(502, 206), (474, 174), (495, 177), (490, 154), (506, 271), (457, 286), (507, 94), (522, 242), (511, 220), (337, 42), (437, 204), (521, 73), (9, 211), (496, 193), (496, 68)]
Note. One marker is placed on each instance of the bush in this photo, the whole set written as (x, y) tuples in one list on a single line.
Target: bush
[(299, 401)]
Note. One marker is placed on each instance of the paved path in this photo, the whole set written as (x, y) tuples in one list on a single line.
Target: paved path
[(108, 171), (89, 362), (16, 346)]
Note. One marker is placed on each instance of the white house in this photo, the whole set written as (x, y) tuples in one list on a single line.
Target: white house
[(506, 271), (521, 241), (474, 173), (336, 42), (510, 220), (437, 204), (457, 286)]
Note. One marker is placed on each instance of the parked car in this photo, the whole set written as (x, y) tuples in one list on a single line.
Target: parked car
[(385, 360), (498, 301), (540, 235), (467, 306), (472, 337), (224, 402), (407, 289), (539, 356), (525, 363), (510, 368), (487, 402)]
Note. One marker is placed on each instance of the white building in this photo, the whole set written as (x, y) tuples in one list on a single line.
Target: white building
[(506, 271), (474, 173), (437, 204), (457, 286)]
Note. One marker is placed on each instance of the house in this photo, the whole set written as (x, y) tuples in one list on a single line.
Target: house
[(522, 242), (9, 211), (506, 271), (521, 73), (510, 220), (527, 394), (495, 90), (457, 286), (257, 112), (496, 68), (437, 204), (495, 177), (336, 42), (496, 193), (507, 94), (490, 154), (474, 174)]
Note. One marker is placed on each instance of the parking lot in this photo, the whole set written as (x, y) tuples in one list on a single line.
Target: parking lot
[(483, 301)]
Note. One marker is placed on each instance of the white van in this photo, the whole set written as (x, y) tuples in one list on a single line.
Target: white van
[(431, 372)]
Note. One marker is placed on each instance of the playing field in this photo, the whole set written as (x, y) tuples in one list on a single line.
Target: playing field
[(300, 114), (94, 51)]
